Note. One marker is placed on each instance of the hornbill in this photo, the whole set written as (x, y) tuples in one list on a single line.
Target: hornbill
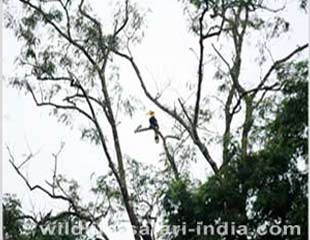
[(154, 125)]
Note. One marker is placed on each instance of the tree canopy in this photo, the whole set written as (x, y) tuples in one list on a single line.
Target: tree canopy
[(70, 62)]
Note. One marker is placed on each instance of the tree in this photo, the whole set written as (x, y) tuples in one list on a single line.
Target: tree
[(18, 225), (234, 20), (266, 188), (68, 62), (247, 176), (80, 45), (13, 226)]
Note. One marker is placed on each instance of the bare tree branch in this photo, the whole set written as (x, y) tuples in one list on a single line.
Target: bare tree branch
[(172, 113), (32, 188), (185, 112), (55, 167), (200, 69), (77, 211), (276, 64), (66, 107), (167, 151), (98, 127), (221, 56), (121, 28)]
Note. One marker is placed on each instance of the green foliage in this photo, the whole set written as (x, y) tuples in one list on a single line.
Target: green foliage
[(197, 3), (13, 226), (147, 186), (266, 188), (18, 225), (47, 54)]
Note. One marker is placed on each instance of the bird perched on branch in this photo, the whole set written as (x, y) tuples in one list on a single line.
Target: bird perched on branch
[(154, 125)]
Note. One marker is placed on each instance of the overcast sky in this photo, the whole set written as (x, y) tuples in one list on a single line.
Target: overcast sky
[(165, 56)]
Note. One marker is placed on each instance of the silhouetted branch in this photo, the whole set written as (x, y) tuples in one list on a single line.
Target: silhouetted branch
[(171, 113), (276, 64), (32, 188), (167, 151), (55, 105)]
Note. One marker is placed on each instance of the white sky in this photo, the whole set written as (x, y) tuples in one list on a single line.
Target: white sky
[(164, 56)]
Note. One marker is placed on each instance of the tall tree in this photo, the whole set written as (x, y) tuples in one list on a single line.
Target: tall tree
[(67, 61), (18, 225), (73, 72), (231, 23), (267, 188)]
